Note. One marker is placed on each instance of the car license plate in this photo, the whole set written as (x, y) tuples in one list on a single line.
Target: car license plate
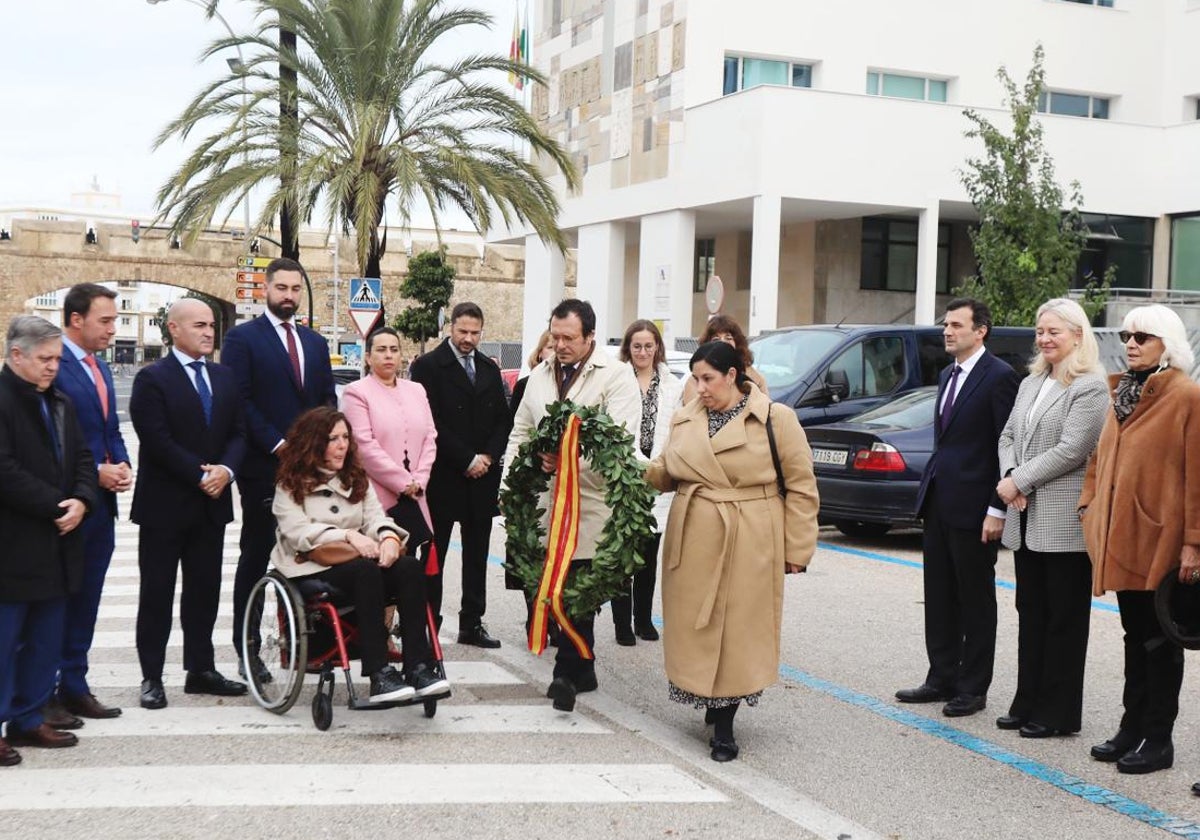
[(836, 457)]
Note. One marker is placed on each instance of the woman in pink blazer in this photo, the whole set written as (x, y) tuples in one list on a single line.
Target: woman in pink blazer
[(392, 425)]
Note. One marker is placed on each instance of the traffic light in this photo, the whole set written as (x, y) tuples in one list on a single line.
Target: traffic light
[(135, 230)]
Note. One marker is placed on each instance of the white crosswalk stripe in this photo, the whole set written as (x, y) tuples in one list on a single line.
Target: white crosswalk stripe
[(121, 674)]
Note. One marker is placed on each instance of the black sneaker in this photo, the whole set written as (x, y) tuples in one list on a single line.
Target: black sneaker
[(387, 686), (425, 682)]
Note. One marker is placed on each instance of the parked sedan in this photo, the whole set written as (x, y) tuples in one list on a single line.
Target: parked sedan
[(869, 467)]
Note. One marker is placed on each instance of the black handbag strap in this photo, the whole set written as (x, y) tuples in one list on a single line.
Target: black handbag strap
[(775, 457)]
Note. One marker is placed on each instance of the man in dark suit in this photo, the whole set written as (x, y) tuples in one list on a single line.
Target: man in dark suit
[(471, 414), (89, 323), (188, 417), (47, 486), (282, 370), (963, 516)]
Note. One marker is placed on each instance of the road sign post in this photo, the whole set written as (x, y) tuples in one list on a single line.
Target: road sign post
[(366, 303)]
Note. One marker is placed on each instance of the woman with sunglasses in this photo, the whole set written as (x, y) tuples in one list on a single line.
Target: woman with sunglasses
[(1044, 448), (1140, 509)]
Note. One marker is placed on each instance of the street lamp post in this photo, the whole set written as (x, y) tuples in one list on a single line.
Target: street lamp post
[(334, 242), (237, 65)]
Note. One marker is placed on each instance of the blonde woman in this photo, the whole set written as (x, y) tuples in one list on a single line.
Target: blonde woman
[(1044, 448)]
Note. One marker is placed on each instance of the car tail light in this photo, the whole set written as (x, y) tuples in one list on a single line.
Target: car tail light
[(881, 457)]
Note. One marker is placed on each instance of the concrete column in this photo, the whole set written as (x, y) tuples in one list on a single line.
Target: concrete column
[(925, 307), (666, 272), (544, 273), (600, 269), (764, 264), (1160, 267)]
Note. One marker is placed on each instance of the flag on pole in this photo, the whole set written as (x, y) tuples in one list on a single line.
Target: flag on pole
[(524, 46), (514, 49)]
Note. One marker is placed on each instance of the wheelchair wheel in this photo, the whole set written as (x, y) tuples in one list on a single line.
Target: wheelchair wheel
[(430, 708), (322, 711), (275, 629)]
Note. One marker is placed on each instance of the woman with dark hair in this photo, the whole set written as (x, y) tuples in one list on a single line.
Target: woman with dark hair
[(744, 485), (322, 495), (642, 349), (725, 329)]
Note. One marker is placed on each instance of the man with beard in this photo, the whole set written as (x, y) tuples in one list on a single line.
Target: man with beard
[(282, 370)]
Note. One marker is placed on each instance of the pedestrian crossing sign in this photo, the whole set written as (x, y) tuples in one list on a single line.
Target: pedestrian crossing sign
[(366, 294)]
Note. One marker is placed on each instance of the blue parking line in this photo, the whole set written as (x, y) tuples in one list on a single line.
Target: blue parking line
[(1103, 606), (1095, 794)]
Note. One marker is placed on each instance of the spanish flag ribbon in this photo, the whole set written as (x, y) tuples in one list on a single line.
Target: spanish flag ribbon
[(560, 548)]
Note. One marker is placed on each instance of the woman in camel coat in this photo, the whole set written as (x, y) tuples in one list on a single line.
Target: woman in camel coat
[(1140, 508), (730, 539)]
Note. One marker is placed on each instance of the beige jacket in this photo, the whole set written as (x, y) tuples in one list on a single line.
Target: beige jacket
[(604, 382), (325, 516), (728, 537)]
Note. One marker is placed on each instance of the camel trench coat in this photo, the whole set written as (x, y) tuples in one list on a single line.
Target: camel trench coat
[(1142, 488), (728, 535)]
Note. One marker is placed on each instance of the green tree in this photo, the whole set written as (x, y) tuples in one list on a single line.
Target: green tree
[(380, 126), (215, 304), (1029, 238), (430, 282)]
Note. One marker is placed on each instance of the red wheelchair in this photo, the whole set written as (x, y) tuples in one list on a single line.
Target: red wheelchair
[(303, 626)]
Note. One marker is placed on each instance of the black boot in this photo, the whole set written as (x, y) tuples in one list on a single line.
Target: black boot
[(643, 601), (622, 614)]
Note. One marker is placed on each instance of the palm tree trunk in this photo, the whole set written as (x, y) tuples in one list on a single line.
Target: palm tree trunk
[(289, 130)]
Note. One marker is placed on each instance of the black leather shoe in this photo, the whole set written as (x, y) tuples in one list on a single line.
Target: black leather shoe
[(8, 756), (583, 684), (211, 682), (562, 692), (646, 631), (1116, 746), (625, 637), (54, 714), (723, 750), (153, 695), (1009, 722), (477, 636), (86, 705), (1147, 758), (923, 693), (965, 704), (262, 674), (1036, 730)]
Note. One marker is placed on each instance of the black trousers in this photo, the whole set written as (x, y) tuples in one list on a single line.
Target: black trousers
[(1054, 605), (369, 588), (161, 552), (476, 538), (639, 607), (257, 542), (567, 661), (1153, 669), (960, 606)]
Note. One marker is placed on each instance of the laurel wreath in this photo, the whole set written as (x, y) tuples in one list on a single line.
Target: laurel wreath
[(609, 449)]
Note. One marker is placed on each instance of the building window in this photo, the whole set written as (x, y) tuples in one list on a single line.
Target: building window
[(50, 300), (1108, 4), (1073, 104), (126, 304), (1185, 252), (743, 73), (706, 262), (125, 322), (1121, 242), (889, 255), (906, 87)]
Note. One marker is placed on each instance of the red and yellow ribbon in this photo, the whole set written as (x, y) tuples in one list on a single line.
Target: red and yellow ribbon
[(560, 548)]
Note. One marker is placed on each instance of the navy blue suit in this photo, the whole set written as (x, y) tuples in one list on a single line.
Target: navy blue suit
[(102, 435), (272, 400), (957, 488), (181, 526)]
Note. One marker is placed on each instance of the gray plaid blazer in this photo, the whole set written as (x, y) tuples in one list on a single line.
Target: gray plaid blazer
[(1046, 454)]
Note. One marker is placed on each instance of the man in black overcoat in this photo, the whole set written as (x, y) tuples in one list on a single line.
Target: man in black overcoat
[(471, 414)]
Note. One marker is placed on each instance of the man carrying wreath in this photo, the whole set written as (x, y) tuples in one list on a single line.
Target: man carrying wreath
[(587, 378)]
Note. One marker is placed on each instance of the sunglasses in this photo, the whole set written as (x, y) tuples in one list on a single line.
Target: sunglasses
[(1139, 337)]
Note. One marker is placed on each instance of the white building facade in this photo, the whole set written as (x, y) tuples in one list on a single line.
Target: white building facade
[(808, 151)]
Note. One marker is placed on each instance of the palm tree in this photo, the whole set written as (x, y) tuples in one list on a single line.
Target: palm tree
[(379, 126)]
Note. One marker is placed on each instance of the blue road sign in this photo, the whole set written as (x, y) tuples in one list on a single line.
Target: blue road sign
[(366, 294)]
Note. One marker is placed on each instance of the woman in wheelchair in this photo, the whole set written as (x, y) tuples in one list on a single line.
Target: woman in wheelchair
[(323, 496)]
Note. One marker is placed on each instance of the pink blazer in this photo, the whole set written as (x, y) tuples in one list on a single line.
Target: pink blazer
[(386, 422)]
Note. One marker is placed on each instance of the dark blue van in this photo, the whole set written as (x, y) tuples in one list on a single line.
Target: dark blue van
[(828, 373)]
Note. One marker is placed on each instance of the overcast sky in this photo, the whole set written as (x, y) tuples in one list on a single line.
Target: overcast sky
[(87, 84)]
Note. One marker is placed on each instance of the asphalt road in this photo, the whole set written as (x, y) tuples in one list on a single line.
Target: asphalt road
[(828, 753)]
